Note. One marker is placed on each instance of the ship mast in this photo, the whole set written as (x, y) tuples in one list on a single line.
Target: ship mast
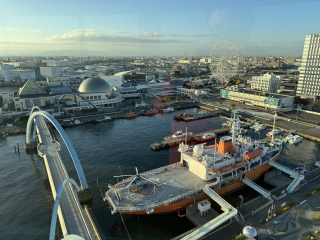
[(234, 128), (186, 135), (274, 123)]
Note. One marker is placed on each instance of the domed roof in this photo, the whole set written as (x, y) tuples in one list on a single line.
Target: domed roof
[(249, 231), (95, 85)]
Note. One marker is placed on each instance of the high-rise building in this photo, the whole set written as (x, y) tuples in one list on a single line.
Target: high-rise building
[(309, 78)]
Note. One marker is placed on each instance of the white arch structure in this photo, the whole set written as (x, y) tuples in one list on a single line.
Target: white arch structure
[(64, 137), (56, 205)]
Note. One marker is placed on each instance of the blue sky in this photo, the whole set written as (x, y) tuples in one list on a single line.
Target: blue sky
[(173, 27)]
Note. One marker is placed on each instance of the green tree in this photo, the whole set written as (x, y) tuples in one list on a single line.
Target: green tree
[(1, 101), (132, 103), (232, 105)]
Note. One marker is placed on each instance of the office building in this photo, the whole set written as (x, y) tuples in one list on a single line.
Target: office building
[(266, 83)]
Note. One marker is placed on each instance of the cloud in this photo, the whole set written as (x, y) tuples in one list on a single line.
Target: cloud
[(113, 36), (10, 29), (155, 34)]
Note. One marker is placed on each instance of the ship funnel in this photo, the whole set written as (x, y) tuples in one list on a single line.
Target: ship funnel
[(225, 145)]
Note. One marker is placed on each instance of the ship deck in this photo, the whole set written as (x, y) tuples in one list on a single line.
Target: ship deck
[(173, 182)]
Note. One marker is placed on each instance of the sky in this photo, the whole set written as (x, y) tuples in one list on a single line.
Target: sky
[(155, 28)]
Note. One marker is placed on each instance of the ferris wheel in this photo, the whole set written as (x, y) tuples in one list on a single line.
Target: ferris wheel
[(224, 60)]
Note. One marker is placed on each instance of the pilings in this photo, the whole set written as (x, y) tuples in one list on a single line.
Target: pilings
[(30, 147)]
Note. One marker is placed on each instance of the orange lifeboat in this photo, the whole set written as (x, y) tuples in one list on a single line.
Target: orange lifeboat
[(211, 146), (239, 164), (253, 154), (226, 169)]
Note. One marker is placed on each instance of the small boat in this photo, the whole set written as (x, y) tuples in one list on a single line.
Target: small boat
[(105, 119), (301, 170), (295, 139), (260, 127), (256, 124), (287, 138), (131, 115), (71, 123), (180, 116), (317, 163), (274, 132), (178, 134), (168, 110), (205, 137), (202, 112), (151, 112)]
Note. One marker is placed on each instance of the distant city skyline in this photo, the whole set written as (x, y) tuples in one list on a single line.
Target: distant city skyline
[(160, 28)]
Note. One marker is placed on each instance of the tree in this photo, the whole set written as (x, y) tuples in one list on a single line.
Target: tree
[(316, 102), (132, 103), (238, 81), (232, 105), (1, 101)]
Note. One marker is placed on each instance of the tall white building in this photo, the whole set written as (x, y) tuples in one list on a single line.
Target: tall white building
[(309, 78), (266, 83)]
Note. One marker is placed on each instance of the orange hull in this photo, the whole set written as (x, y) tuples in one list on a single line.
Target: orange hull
[(252, 175), (131, 116)]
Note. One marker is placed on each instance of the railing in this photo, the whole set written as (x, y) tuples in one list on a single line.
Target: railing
[(283, 168), (151, 171), (256, 187), (294, 183), (262, 207), (75, 198)]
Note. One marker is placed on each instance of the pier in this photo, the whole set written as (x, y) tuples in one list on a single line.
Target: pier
[(73, 218)]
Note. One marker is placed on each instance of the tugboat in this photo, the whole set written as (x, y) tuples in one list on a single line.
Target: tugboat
[(105, 119), (178, 134), (219, 169), (205, 138), (181, 115), (151, 112), (71, 123), (131, 115), (168, 110)]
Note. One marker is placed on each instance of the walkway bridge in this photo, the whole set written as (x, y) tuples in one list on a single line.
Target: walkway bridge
[(297, 177), (73, 219), (283, 168), (258, 188), (229, 212)]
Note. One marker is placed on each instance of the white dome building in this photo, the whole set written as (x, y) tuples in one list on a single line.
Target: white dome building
[(99, 92)]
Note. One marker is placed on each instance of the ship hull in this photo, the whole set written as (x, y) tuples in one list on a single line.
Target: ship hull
[(253, 175)]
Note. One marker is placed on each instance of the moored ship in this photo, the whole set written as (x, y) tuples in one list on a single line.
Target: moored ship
[(174, 187)]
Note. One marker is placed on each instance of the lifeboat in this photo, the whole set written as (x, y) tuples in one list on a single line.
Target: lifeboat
[(239, 164), (210, 146), (253, 154), (226, 169)]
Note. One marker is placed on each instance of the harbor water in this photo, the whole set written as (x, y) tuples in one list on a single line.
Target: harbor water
[(107, 149)]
